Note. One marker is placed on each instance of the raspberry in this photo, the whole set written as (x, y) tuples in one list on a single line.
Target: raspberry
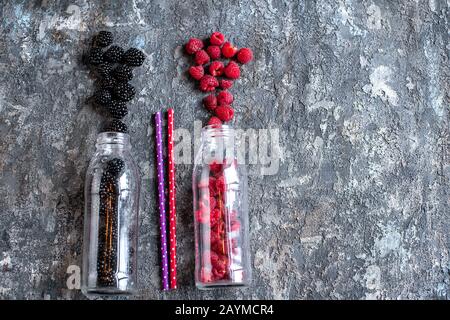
[(221, 187), (224, 113), (205, 275), (215, 216), (208, 83), (201, 57), (216, 68), (228, 50), (232, 70), (224, 98), (244, 55), (215, 167), (196, 72), (219, 230), (225, 84), (210, 102), (217, 39), (214, 52), (212, 186), (212, 202), (235, 226), (193, 45), (215, 122)]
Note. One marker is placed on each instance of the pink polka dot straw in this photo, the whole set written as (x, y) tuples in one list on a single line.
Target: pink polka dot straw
[(172, 201), (161, 200)]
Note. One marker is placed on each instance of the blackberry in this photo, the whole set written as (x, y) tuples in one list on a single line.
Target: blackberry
[(123, 73), (104, 69), (133, 57), (116, 126), (124, 91), (115, 166), (95, 56), (104, 39), (113, 54), (118, 109), (103, 97), (108, 82)]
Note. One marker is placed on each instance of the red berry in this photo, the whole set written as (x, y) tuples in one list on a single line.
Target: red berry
[(232, 70), (214, 52), (217, 39), (194, 45), (225, 84), (210, 102), (224, 98), (244, 55), (196, 72), (224, 113), (205, 275), (228, 50), (215, 167), (216, 68), (212, 186), (215, 122), (215, 216), (221, 186), (201, 57), (212, 202), (208, 83)]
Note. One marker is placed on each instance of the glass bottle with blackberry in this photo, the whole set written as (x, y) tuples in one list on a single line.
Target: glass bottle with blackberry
[(111, 218)]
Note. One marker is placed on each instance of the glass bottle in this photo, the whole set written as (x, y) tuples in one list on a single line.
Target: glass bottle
[(112, 188), (219, 186)]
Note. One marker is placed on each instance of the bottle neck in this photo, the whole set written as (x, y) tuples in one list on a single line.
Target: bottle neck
[(218, 144), (113, 141)]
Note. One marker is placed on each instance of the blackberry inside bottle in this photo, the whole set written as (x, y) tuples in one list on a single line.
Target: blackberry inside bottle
[(111, 218)]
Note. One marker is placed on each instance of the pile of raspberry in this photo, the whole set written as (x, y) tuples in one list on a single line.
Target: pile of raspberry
[(216, 68), (213, 216)]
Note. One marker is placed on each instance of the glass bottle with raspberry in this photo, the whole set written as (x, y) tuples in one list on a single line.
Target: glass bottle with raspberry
[(220, 212)]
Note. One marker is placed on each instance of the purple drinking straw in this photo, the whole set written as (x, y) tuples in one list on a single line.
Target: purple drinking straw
[(162, 201)]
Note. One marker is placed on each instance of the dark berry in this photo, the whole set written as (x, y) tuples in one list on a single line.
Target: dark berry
[(133, 57), (113, 54), (103, 97), (107, 82), (118, 109), (123, 73), (116, 126), (115, 166), (104, 39), (95, 56), (124, 91), (104, 69)]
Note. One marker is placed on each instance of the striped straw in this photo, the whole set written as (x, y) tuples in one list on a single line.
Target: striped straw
[(162, 201), (172, 200)]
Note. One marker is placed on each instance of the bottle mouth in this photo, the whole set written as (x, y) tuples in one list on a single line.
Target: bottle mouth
[(111, 137), (215, 131)]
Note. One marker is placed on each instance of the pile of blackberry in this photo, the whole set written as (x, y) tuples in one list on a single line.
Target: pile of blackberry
[(114, 67)]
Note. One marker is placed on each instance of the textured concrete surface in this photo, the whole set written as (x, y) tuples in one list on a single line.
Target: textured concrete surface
[(359, 91)]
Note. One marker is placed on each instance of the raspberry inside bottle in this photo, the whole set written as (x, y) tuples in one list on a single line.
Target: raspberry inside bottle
[(220, 212)]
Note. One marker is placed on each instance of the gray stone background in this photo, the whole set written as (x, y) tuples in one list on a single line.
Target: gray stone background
[(359, 207)]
